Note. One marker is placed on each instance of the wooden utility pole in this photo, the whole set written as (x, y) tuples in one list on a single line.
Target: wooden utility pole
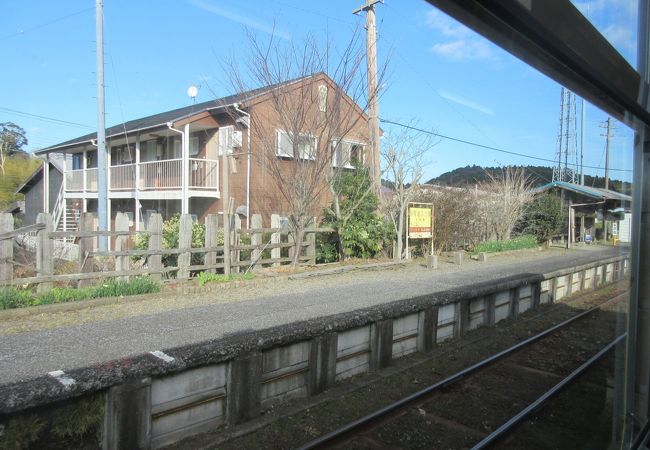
[(373, 100)]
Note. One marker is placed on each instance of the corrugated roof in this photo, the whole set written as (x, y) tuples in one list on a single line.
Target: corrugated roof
[(597, 193), (163, 118)]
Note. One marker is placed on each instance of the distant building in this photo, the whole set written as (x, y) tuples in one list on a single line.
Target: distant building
[(33, 189)]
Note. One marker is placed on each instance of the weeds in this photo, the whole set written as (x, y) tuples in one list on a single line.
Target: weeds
[(18, 298), (518, 243), (205, 277)]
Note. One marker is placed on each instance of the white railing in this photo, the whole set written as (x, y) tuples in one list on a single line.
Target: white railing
[(165, 174), (59, 206), (74, 180), (203, 174), (122, 177)]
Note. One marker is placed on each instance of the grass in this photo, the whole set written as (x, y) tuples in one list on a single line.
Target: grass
[(19, 298), (518, 243), (205, 277)]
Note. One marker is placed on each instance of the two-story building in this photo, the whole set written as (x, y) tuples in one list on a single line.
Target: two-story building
[(171, 162)]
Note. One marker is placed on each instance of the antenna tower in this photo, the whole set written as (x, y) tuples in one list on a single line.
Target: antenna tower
[(565, 167)]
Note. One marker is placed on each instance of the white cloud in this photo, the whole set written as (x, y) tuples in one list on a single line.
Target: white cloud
[(244, 20), (466, 102), (462, 44)]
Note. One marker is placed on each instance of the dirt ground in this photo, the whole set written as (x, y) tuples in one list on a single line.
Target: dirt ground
[(296, 422)]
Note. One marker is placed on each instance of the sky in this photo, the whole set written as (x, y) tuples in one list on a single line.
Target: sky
[(441, 76)]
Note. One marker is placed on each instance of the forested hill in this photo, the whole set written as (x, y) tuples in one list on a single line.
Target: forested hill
[(470, 175)]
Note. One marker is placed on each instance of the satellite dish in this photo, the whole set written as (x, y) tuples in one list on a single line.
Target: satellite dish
[(192, 91)]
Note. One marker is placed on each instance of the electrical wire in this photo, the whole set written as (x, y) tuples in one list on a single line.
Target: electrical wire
[(18, 33), (49, 119), (487, 147)]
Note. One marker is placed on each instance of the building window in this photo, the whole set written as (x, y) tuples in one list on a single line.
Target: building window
[(304, 143), (347, 154), (194, 145)]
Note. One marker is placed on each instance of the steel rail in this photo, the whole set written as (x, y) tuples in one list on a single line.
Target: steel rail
[(503, 429), (351, 427)]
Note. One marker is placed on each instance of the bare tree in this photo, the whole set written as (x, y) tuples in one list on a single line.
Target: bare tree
[(506, 196), (317, 100), (403, 153)]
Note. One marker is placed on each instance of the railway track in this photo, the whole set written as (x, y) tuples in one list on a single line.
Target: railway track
[(479, 405)]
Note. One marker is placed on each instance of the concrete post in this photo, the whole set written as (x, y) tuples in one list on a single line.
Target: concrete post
[(154, 227), (482, 257), (432, 262), (211, 227), (256, 239), (514, 303), (490, 304), (322, 363), (6, 248), (310, 250), (427, 329), (184, 242), (536, 292), (463, 316), (121, 244), (86, 245), (275, 238), (381, 344), (243, 388), (236, 240), (127, 418), (44, 251)]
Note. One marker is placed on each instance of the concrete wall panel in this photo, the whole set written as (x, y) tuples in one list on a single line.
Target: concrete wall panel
[(353, 352), (405, 335), (477, 313), (525, 298), (501, 306), (284, 371), (447, 318)]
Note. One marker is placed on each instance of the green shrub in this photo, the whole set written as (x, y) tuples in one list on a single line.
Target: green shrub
[(14, 298), (79, 417), (518, 243), (543, 217), (135, 286)]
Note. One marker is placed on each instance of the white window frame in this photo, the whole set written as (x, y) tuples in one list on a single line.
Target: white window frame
[(302, 154), (194, 145), (339, 148), (225, 139)]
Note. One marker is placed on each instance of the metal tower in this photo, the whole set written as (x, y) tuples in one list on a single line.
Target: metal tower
[(566, 163)]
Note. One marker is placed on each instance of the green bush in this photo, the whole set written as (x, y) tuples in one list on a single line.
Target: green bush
[(19, 298), (543, 217), (518, 243)]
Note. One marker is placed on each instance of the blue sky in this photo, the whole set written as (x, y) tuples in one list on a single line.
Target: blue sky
[(441, 75)]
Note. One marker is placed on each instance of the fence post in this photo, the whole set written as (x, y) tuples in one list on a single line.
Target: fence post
[(44, 251), (184, 242), (236, 240), (121, 244), (226, 242), (86, 245), (154, 227), (310, 249), (211, 226), (275, 238), (256, 239), (6, 248)]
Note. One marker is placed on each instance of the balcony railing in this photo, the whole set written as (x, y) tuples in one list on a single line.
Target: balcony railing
[(122, 177), (204, 174), (75, 180), (165, 174)]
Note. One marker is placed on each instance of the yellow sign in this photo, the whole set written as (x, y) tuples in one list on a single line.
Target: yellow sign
[(420, 222)]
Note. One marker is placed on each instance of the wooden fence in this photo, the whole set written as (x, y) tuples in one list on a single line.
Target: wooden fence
[(265, 249)]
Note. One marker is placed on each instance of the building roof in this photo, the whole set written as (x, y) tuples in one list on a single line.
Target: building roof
[(56, 160), (161, 119), (592, 192), (15, 208)]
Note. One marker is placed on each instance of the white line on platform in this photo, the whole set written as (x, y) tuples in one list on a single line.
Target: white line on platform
[(164, 356), (61, 377)]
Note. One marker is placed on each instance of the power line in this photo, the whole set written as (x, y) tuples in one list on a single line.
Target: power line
[(487, 147), (18, 33), (49, 119)]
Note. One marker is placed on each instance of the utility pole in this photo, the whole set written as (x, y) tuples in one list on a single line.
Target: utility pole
[(583, 136), (609, 138), (373, 101), (102, 185)]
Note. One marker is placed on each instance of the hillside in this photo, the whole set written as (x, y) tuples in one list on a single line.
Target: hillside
[(469, 175), (17, 168)]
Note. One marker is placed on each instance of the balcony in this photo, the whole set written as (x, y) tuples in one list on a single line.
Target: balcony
[(165, 175)]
